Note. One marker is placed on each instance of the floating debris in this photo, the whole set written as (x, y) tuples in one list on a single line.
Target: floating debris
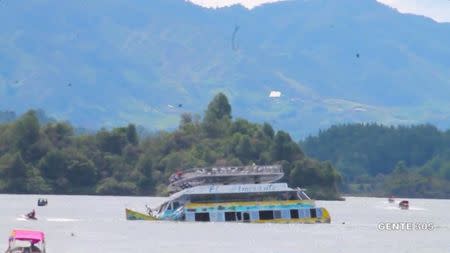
[(234, 46), (275, 94)]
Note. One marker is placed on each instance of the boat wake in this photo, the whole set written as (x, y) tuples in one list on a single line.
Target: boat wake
[(418, 209), (396, 207), (390, 207), (62, 220)]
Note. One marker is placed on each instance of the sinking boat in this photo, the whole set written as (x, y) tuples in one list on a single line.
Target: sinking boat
[(404, 204), (234, 194), (29, 241), (252, 203)]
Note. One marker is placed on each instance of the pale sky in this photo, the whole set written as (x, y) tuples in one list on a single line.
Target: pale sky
[(438, 10)]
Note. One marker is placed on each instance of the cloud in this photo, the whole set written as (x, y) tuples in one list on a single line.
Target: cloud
[(438, 10), (223, 3)]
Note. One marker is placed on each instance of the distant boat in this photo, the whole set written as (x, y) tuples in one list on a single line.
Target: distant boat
[(26, 241), (42, 202), (404, 204), (391, 199)]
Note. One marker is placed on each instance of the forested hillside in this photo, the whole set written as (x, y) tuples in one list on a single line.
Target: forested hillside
[(380, 160), (51, 158)]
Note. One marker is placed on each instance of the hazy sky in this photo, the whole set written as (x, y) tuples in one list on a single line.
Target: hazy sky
[(439, 10)]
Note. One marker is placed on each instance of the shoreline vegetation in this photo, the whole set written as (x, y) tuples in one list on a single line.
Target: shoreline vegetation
[(376, 160), (49, 158)]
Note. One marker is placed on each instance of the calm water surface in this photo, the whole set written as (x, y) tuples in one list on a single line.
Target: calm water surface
[(99, 225)]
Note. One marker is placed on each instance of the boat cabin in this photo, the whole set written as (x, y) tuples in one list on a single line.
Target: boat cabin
[(246, 203), (26, 241), (259, 214)]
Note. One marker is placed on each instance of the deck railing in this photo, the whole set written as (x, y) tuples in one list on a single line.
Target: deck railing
[(225, 171)]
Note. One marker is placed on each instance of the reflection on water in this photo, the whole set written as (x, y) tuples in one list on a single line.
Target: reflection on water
[(97, 224)]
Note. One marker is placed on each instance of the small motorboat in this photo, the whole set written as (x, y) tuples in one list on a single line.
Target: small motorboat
[(26, 241), (42, 202), (404, 204), (391, 199)]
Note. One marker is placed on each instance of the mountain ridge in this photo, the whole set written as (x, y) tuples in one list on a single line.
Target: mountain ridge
[(109, 63)]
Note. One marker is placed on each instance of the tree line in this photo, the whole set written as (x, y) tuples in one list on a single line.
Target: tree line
[(50, 157), (387, 160)]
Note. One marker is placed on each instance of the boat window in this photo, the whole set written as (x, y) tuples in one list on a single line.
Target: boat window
[(304, 213), (266, 215), (319, 212), (313, 212), (277, 214), (294, 214), (201, 216), (246, 217), (230, 216), (176, 205), (239, 215)]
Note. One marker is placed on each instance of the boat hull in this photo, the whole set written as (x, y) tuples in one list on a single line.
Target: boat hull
[(258, 212)]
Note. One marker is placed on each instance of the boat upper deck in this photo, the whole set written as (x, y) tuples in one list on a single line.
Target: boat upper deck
[(234, 189), (225, 175)]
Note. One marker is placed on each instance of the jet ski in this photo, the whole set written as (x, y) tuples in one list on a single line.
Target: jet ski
[(31, 215), (404, 205)]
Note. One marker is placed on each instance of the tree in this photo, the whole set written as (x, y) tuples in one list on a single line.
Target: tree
[(218, 108), (59, 134), (132, 135), (54, 164), (268, 130), (285, 149), (35, 183), (112, 142), (14, 172), (81, 172), (217, 118), (244, 150), (26, 130)]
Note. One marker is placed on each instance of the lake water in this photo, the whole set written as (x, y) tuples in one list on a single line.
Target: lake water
[(98, 225)]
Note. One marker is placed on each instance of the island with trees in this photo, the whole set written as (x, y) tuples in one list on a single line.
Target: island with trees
[(53, 158)]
